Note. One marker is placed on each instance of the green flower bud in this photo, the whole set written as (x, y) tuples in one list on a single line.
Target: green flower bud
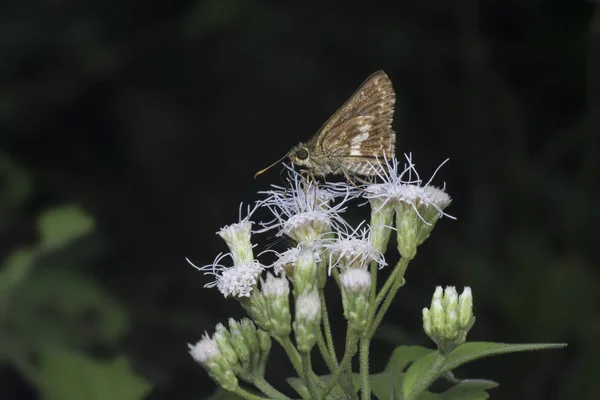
[(450, 299), (357, 285), (407, 226), (276, 291), (465, 309), (427, 325), (449, 318), (249, 332), (222, 337), (307, 320), (207, 353), (264, 341), (382, 215), (237, 237), (257, 309), (239, 342), (305, 273)]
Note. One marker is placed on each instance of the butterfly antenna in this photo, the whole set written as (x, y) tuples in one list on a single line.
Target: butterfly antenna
[(269, 167)]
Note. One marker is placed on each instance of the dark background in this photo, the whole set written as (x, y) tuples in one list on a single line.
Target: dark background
[(151, 117)]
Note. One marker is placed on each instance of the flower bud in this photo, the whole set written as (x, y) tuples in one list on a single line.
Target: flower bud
[(237, 237), (382, 215), (223, 339), (427, 325), (465, 309), (239, 342), (249, 331), (276, 291), (305, 272), (256, 307), (264, 341), (357, 285), (449, 318), (207, 353), (307, 320)]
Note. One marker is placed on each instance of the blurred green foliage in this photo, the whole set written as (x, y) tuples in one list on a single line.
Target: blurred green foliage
[(131, 131)]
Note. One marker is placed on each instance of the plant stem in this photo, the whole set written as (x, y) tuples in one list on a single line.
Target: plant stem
[(331, 364), (373, 292), (292, 354), (327, 328), (396, 281), (308, 376), (268, 389), (247, 395), (388, 284), (427, 379), (365, 387), (351, 348)]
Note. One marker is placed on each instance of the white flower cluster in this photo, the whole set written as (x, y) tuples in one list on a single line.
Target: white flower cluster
[(311, 215)]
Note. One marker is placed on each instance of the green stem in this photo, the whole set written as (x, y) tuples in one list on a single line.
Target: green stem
[(269, 390), (310, 384), (427, 379), (292, 354), (397, 281), (351, 348), (331, 364), (365, 386), (327, 328), (247, 395), (386, 287), (373, 292)]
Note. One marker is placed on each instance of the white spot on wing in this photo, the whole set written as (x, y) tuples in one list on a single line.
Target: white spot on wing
[(363, 136)]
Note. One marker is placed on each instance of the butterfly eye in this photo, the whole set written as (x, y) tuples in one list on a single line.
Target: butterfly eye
[(302, 154)]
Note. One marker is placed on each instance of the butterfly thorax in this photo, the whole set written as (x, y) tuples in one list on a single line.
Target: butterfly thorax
[(307, 155)]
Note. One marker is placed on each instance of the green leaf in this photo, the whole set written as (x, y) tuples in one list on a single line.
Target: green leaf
[(15, 269), (429, 368), (388, 384), (299, 387), (221, 394), (469, 389), (402, 356), (425, 369), (55, 306), (336, 393), (66, 375), (471, 351), (60, 225)]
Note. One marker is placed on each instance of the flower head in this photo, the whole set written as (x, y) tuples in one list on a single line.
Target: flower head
[(205, 350), (303, 211), (237, 237), (449, 318), (238, 280), (207, 353), (418, 207), (403, 188), (353, 249)]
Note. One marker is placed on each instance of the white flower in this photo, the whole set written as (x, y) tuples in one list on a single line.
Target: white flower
[(303, 211), (356, 280), (308, 306), (237, 237), (274, 286), (238, 280), (404, 189), (205, 350), (353, 249)]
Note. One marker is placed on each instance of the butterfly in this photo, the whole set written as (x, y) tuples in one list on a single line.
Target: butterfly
[(355, 137)]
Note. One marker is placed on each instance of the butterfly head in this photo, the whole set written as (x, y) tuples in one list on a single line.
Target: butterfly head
[(300, 155)]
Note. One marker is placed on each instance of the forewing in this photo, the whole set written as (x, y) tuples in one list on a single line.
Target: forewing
[(372, 104)]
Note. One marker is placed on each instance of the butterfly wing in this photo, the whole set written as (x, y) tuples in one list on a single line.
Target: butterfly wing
[(361, 127)]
